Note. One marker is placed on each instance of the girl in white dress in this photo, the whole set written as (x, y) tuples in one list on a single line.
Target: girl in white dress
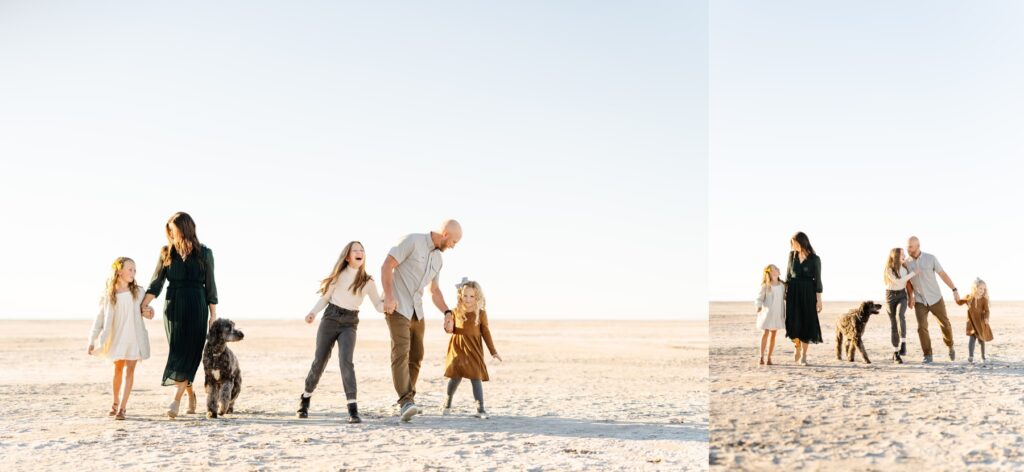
[(771, 309), (119, 334)]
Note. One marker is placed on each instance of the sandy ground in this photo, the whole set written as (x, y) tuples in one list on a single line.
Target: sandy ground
[(569, 396), (837, 415)]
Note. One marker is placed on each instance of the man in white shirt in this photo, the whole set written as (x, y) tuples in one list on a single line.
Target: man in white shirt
[(925, 297), (410, 266)]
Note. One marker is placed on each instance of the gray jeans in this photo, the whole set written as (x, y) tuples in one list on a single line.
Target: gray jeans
[(896, 305), (337, 325)]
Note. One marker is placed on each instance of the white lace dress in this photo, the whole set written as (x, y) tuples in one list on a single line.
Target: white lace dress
[(773, 308), (119, 332)]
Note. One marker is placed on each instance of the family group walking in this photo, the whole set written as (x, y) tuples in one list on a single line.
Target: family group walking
[(409, 268), (190, 308), (794, 304)]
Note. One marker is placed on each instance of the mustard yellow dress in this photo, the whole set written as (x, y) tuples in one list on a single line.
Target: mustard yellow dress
[(465, 348), (977, 317)]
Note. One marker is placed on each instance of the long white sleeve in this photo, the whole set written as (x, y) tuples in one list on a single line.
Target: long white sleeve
[(762, 298), (322, 302), (97, 325), (897, 283), (378, 302)]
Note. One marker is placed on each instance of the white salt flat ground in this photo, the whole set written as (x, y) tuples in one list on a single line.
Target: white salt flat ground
[(570, 396)]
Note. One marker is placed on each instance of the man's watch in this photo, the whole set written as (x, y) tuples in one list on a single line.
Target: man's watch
[(447, 312), (954, 290)]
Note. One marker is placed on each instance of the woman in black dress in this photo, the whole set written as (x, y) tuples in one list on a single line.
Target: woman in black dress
[(190, 306), (803, 296)]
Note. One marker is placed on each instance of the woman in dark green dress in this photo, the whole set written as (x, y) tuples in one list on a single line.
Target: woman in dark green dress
[(189, 307), (803, 296)]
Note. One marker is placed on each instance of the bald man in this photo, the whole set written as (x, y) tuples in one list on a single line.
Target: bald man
[(409, 267), (924, 297)]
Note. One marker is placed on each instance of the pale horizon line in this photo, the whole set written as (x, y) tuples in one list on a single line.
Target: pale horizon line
[(428, 319)]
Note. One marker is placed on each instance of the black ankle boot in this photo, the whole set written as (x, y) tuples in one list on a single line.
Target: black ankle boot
[(896, 357), (903, 349), (353, 414), (303, 411)]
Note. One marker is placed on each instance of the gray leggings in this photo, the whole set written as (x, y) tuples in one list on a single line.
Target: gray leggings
[(453, 384), (970, 346), (338, 325)]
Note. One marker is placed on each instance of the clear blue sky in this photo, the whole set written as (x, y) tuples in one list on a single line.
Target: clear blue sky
[(862, 123), (570, 138)]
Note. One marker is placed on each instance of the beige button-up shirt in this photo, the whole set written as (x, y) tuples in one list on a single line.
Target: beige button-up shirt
[(419, 263)]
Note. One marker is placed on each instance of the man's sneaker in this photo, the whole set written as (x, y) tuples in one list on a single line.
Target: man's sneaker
[(303, 411), (408, 411), (952, 354), (927, 360)]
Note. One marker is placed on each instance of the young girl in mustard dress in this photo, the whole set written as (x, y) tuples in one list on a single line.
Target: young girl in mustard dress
[(465, 357), (978, 329)]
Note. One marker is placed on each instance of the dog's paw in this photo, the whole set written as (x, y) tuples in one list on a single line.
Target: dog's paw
[(211, 414)]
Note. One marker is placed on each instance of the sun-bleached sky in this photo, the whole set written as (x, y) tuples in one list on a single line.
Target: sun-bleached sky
[(569, 138), (863, 123)]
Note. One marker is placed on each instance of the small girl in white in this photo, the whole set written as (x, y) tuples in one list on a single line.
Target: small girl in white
[(771, 309), (119, 333)]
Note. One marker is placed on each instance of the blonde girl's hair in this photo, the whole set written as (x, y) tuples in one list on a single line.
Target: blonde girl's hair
[(116, 267), (481, 302), (189, 242), (974, 289), (893, 263), (362, 278), (766, 275)]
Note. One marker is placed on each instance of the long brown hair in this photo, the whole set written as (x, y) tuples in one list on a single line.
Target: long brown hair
[(893, 264), (362, 278), (188, 245), (116, 267), (804, 242)]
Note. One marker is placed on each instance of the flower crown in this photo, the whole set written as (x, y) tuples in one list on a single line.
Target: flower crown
[(117, 265)]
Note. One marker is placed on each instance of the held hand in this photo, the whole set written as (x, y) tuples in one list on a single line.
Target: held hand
[(310, 317), (910, 303), (91, 347), (449, 324), (390, 305)]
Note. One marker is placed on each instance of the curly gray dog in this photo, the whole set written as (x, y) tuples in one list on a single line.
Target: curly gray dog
[(223, 376), (850, 330)]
